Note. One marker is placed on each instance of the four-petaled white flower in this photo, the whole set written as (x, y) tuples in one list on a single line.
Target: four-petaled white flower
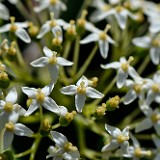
[(53, 5), (151, 42), (52, 61), (17, 28), (119, 139), (63, 149), (124, 69), (40, 97), (102, 38), (81, 90), (17, 129), (152, 120), (9, 109)]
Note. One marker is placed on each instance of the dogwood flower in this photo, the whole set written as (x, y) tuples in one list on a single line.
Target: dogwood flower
[(53, 25), (63, 149), (102, 38), (9, 109), (17, 28), (17, 129), (119, 139), (40, 97), (53, 5), (153, 43), (52, 61), (124, 69), (152, 120), (81, 90), (135, 151)]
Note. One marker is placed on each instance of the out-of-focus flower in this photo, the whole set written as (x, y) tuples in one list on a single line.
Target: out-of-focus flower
[(52, 61), (17, 129), (40, 97), (81, 90), (4, 12), (63, 149), (124, 69), (17, 28), (103, 40), (156, 141), (119, 139)]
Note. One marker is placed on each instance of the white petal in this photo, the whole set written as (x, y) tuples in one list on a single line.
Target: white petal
[(22, 130), (114, 65), (8, 138), (90, 38), (83, 79), (69, 90), (150, 97), (104, 47), (136, 144), (80, 102), (111, 146), (157, 128), (57, 29), (93, 93), (41, 6), (90, 27), (156, 141), (155, 55), (44, 29), (121, 77), (145, 124), (12, 96), (5, 28), (34, 105), (4, 13), (59, 138), (113, 131), (125, 146), (54, 72), (23, 35), (47, 52), (63, 62), (48, 89), (130, 97), (30, 92), (133, 73), (50, 105), (143, 42), (154, 27), (41, 62)]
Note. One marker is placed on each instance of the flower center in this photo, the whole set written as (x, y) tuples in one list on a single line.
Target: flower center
[(13, 27), (71, 30), (53, 59), (114, 101), (8, 107), (69, 147), (137, 88), (156, 42), (53, 2), (103, 34), (82, 20), (139, 153), (106, 7), (119, 8), (52, 22), (121, 138), (3, 75), (125, 65), (155, 118), (40, 96), (155, 88), (9, 126), (81, 88)]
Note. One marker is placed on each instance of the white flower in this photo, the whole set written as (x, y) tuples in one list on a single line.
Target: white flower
[(102, 38), (53, 25), (53, 5), (40, 97), (152, 120), (4, 12), (124, 69), (17, 28), (135, 151), (17, 129), (137, 88), (81, 90), (9, 109), (121, 14), (156, 141), (153, 43), (63, 150), (52, 61), (119, 139)]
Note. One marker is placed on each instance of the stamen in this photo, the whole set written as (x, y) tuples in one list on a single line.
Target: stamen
[(53, 22), (81, 88), (40, 96), (9, 126)]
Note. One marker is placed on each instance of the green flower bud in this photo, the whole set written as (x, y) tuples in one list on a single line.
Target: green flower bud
[(4, 80), (113, 103)]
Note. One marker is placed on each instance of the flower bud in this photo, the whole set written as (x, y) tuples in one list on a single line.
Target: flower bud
[(4, 80), (113, 103)]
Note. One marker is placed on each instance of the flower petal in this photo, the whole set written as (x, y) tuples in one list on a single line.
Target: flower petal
[(47, 52), (8, 138), (54, 72), (48, 89), (113, 131), (143, 42), (41, 62), (155, 55), (90, 38), (23, 35), (125, 147), (93, 93), (44, 29), (5, 28), (104, 47), (69, 90), (30, 92), (111, 146), (79, 102), (121, 77), (22, 130), (114, 65), (34, 105), (63, 62), (4, 13), (12, 96), (130, 97)]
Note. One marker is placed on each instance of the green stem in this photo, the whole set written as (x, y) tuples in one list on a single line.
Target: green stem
[(76, 54), (35, 147), (22, 154), (1, 140), (56, 126), (67, 48), (87, 62)]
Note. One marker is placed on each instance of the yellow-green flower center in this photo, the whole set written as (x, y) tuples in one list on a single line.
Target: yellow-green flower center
[(121, 138), (69, 147), (155, 88), (53, 23), (155, 118), (53, 59), (81, 88), (53, 2), (40, 96), (13, 27), (9, 126), (8, 107), (137, 88), (156, 42)]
